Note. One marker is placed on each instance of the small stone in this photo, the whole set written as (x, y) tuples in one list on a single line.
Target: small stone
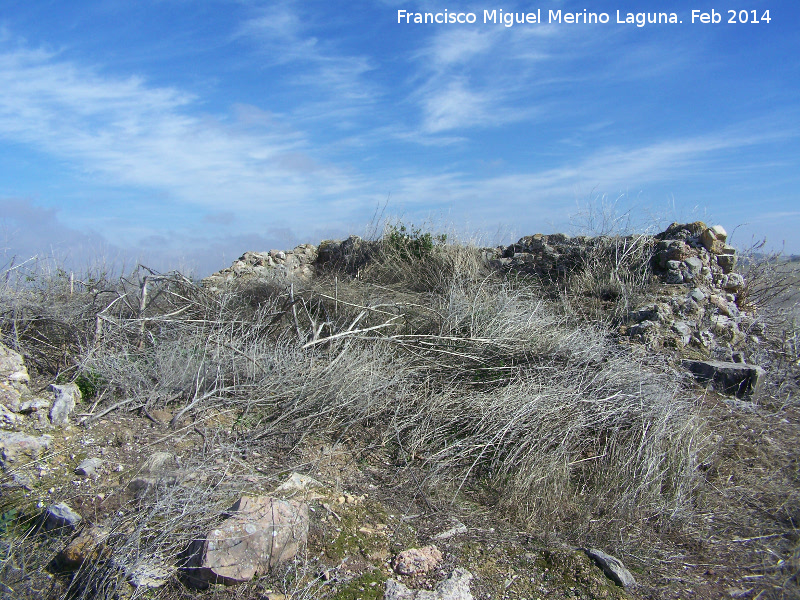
[(296, 482), (161, 468), (697, 295), (8, 419), (58, 516), (457, 529), (88, 467), (719, 232), (612, 567), (341, 500), (162, 416)]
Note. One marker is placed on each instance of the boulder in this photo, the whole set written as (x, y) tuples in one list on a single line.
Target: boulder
[(65, 398), (15, 446), (417, 560), (455, 587), (737, 379), (612, 567), (261, 532)]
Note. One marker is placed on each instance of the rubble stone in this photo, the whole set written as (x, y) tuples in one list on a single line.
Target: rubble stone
[(261, 533), (66, 397)]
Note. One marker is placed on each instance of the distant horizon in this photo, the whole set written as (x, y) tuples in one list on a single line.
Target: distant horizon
[(184, 134)]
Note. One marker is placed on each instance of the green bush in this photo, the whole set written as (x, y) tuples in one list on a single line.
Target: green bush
[(411, 243)]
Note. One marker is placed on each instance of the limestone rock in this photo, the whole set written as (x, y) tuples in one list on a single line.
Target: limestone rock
[(727, 262), (10, 395), (455, 587), (14, 378), (88, 467), (34, 405), (12, 366), (8, 419), (731, 378), (60, 516), (712, 242), (66, 397), (150, 574), (612, 567), (684, 332), (261, 533), (458, 528), (417, 560), (15, 446), (297, 482)]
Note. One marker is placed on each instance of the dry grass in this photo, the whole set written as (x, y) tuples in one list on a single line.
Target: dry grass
[(483, 383)]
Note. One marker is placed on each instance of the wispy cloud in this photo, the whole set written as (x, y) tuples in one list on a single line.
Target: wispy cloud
[(284, 35), (123, 131)]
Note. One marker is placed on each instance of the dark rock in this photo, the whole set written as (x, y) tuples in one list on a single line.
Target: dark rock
[(731, 378)]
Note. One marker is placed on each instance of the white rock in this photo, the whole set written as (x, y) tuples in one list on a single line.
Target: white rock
[(455, 587)]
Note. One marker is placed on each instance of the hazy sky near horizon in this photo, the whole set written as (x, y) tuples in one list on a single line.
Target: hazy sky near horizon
[(186, 132)]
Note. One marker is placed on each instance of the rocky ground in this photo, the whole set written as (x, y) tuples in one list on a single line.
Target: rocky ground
[(169, 503)]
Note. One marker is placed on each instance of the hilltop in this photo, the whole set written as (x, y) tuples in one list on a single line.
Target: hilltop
[(407, 417)]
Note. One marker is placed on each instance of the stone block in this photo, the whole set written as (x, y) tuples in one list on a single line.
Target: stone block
[(730, 378)]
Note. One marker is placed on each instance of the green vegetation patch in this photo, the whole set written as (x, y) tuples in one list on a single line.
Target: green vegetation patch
[(369, 586)]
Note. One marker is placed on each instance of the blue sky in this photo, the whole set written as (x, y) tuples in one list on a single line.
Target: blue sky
[(184, 133)]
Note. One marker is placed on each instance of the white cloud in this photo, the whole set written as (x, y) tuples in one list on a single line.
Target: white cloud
[(122, 131)]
